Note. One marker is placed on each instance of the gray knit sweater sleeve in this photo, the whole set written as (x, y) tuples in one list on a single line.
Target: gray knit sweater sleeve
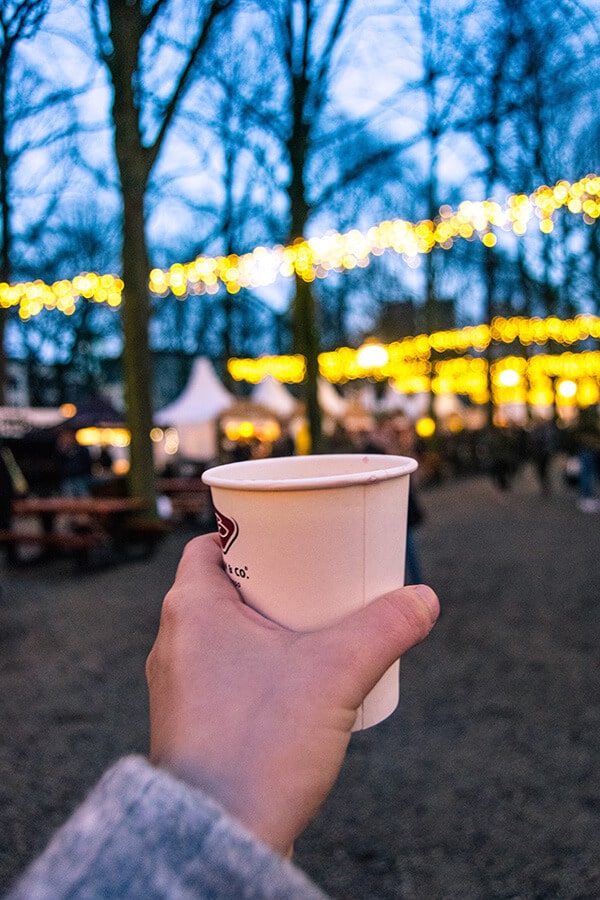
[(143, 834)]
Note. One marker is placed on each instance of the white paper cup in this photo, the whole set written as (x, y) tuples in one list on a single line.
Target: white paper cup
[(309, 539)]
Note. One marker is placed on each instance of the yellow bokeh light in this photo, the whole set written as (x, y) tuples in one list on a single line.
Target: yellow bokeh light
[(103, 437), (567, 389), (508, 378), (425, 427), (372, 356), (588, 392)]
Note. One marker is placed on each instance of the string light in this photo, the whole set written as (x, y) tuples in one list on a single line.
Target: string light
[(514, 379), (32, 297), (288, 369), (316, 257)]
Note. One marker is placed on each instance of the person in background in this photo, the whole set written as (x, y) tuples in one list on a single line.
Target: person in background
[(285, 444), (249, 725), (74, 464), (414, 519), (7, 495), (393, 434), (542, 446), (501, 456), (586, 438)]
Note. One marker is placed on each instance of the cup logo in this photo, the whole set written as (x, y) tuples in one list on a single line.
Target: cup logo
[(228, 530)]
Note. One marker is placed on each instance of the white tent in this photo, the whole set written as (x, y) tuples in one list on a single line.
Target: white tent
[(331, 402), (204, 397), (195, 411), (275, 396)]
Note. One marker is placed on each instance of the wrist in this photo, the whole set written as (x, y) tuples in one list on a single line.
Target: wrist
[(237, 800)]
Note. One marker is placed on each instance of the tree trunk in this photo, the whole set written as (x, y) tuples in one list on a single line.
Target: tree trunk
[(134, 167), (307, 342), (490, 268), (304, 313), (137, 366), (5, 272)]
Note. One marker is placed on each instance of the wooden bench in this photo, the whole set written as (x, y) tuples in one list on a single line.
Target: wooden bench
[(67, 540), (78, 543)]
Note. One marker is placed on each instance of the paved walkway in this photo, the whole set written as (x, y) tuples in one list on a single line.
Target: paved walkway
[(484, 784)]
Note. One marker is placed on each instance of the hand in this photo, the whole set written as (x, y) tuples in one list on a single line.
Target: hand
[(257, 716)]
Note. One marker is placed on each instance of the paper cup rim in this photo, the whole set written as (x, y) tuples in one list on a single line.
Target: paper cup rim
[(379, 467)]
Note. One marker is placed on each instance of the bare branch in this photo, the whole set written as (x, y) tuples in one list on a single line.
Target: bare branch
[(320, 75), (217, 7), (149, 17)]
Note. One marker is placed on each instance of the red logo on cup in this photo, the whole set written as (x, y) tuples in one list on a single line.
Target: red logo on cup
[(228, 530)]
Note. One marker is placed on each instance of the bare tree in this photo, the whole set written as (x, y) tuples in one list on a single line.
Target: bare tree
[(317, 42), (133, 39), (18, 22)]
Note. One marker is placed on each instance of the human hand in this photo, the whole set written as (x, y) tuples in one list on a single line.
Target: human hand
[(258, 716)]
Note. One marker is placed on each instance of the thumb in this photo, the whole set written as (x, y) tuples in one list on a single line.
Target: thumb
[(372, 638)]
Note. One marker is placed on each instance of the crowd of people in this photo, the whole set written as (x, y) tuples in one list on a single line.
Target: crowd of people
[(498, 451), (550, 449)]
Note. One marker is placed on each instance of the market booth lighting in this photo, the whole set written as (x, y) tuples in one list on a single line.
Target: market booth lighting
[(103, 437), (411, 367), (168, 437), (247, 421), (266, 431), (115, 438)]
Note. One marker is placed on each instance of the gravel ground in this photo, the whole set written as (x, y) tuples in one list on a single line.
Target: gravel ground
[(483, 784)]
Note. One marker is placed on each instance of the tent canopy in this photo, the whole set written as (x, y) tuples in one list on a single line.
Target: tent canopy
[(271, 393), (96, 410), (203, 399), (330, 401), (195, 412)]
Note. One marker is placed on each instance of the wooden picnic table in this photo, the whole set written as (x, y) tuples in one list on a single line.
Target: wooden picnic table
[(79, 524), (107, 513)]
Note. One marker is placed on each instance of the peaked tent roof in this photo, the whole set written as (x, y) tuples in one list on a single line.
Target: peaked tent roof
[(331, 402), (271, 393), (203, 398)]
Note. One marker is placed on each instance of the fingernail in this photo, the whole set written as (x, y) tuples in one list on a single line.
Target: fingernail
[(430, 598)]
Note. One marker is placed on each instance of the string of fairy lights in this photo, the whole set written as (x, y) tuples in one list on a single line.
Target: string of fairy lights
[(410, 365), (316, 257)]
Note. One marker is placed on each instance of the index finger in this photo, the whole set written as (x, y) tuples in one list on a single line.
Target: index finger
[(201, 554), (201, 573)]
